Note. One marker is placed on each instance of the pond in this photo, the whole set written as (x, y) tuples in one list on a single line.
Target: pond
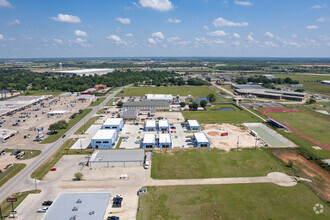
[(225, 109)]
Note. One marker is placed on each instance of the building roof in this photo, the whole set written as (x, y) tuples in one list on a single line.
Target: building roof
[(130, 113), (86, 97), (113, 121), (104, 134), (150, 123), (93, 206), (87, 71), (4, 91), (56, 112), (165, 138), (193, 123), (163, 123), (248, 87), (159, 96), (118, 155), (149, 138), (200, 137), (147, 103)]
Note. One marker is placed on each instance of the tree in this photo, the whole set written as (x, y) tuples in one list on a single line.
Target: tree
[(78, 176), (120, 104), (203, 103), (193, 106), (212, 97), (310, 101), (183, 104), (299, 90), (58, 126)]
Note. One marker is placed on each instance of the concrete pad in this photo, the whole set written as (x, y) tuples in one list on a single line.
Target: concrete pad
[(93, 129), (81, 143), (281, 179)]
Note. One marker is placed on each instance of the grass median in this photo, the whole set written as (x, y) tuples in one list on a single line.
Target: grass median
[(97, 102), (11, 172), (72, 122), (28, 155), (87, 125)]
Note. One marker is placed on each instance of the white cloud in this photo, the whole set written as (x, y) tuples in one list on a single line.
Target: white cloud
[(1, 37), (221, 22), (66, 18), (219, 41), (206, 27), (158, 35), (319, 6), (5, 3), (250, 38), (173, 39), (124, 20), (58, 41), (14, 22), (294, 36), (312, 27), (80, 33), (173, 20), (322, 19), (159, 5), (268, 34), (129, 35), (270, 44), (79, 40), (236, 36), (243, 3), (217, 33), (27, 37), (114, 38), (152, 41)]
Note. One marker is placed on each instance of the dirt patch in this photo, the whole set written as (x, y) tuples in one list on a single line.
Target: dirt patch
[(213, 133), (319, 177)]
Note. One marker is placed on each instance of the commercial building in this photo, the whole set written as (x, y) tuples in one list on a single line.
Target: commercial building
[(87, 72), (56, 112), (113, 123), (130, 114), (100, 86), (150, 125), (149, 141), (147, 105), (104, 139), (88, 91), (79, 206), (6, 133), (159, 97), (163, 125), (193, 125), (200, 140), (117, 158), (85, 98), (165, 141)]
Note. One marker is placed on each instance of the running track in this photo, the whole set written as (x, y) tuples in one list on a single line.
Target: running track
[(281, 110)]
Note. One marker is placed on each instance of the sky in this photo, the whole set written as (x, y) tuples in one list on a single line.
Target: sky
[(161, 28)]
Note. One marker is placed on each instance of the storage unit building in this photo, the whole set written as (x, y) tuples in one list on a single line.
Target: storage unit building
[(163, 125), (165, 141), (149, 141), (147, 105), (200, 140), (113, 123), (193, 125), (150, 125), (117, 158), (104, 139)]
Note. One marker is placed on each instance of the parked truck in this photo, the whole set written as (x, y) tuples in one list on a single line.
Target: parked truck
[(147, 160)]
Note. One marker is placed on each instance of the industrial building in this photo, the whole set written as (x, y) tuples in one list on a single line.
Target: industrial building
[(150, 125), (86, 72), (117, 158), (159, 97), (104, 139), (85, 98), (113, 123), (79, 206), (163, 125), (56, 112), (147, 105), (165, 141), (130, 114), (193, 125), (200, 140), (149, 141), (88, 91)]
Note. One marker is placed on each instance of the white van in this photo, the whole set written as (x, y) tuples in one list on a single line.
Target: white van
[(146, 165)]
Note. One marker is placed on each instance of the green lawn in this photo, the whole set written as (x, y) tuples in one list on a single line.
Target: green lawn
[(236, 201), (195, 91), (72, 122), (97, 102), (110, 103), (11, 172), (211, 116), (44, 92), (312, 126), (211, 163), (119, 143), (87, 125)]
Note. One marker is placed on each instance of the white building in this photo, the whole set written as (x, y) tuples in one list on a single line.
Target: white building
[(56, 112), (163, 125), (160, 97), (150, 125), (104, 139), (165, 141), (201, 140), (113, 123), (149, 141)]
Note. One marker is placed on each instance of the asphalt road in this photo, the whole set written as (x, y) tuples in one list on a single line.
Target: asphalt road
[(10, 187)]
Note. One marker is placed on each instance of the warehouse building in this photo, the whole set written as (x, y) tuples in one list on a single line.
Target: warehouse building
[(113, 123), (149, 141), (56, 112), (82, 206), (130, 114), (163, 125), (147, 105), (165, 141), (159, 97), (104, 139), (86, 72), (200, 140), (193, 125), (150, 125), (117, 158)]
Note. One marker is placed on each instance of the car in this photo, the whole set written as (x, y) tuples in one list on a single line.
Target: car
[(53, 169), (116, 204), (9, 165), (173, 127), (47, 203), (42, 210), (136, 123), (63, 136), (113, 218), (81, 163)]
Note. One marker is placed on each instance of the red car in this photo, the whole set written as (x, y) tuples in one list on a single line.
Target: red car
[(53, 169), (173, 128)]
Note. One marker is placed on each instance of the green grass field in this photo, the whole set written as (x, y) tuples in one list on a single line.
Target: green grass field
[(312, 126), (44, 92), (11, 172), (87, 125), (211, 116), (213, 163), (236, 201), (195, 91), (97, 102)]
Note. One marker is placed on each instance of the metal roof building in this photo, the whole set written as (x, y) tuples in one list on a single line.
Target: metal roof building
[(117, 158), (147, 105), (150, 125), (193, 125), (163, 125), (113, 123), (86, 71), (104, 139), (160, 97), (165, 141), (130, 114), (79, 206), (201, 140), (149, 141)]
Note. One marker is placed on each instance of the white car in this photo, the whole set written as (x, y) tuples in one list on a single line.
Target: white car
[(42, 210)]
